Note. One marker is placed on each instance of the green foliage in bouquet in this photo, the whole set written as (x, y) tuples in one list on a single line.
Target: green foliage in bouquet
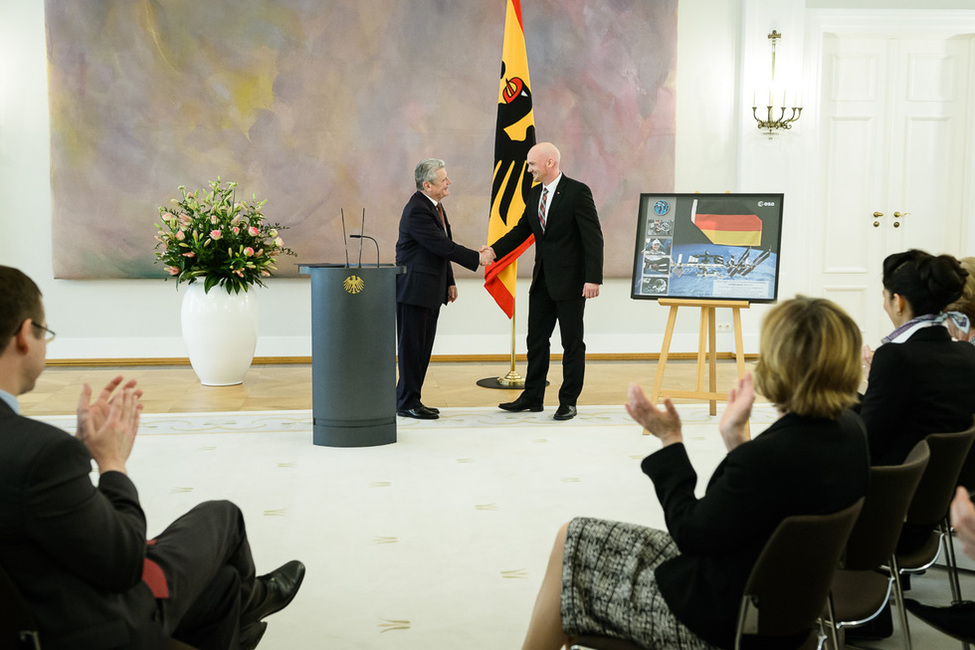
[(213, 237)]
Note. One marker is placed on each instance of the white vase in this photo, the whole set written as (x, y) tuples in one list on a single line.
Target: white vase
[(220, 330)]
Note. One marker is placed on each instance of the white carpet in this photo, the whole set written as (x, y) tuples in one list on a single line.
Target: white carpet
[(437, 541)]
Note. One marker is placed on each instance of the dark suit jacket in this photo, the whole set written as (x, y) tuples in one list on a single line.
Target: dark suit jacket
[(923, 385), (74, 551), (797, 466), (424, 247), (571, 251)]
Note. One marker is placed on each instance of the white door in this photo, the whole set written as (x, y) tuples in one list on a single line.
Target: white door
[(895, 134)]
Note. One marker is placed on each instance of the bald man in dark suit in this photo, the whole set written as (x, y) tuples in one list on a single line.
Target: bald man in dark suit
[(568, 270)]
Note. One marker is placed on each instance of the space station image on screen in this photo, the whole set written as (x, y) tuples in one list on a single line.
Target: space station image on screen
[(708, 246)]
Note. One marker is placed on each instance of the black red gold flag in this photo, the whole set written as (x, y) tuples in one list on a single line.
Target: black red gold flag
[(514, 136)]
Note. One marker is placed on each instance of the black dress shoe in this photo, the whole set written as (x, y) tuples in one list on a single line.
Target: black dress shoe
[(418, 413), (565, 412), (432, 409), (521, 404), (956, 620), (280, 587), (251, 635)]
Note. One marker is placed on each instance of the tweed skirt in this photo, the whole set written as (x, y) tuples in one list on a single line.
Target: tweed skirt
[(609, 587)]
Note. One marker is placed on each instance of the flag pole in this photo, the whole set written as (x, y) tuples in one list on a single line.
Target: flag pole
[(514, 137), (512, 379)]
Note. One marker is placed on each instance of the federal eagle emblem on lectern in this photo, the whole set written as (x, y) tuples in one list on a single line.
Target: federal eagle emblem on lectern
[(353, 284)]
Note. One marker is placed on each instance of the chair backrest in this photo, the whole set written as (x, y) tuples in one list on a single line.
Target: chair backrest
[(786, 590), (18, 629), (874, 536), (937, 486)]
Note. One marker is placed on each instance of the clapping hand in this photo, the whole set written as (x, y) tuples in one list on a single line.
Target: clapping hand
[(108, 425), (867, 358), (664, 424), (739, 409)]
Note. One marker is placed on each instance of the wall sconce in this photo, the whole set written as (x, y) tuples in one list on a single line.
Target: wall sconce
[(770, 125)]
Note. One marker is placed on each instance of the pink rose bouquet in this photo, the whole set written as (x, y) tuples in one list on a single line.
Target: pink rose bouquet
[(187, 239)]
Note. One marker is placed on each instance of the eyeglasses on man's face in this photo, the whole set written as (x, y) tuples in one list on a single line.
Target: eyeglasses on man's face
[(48, 333)]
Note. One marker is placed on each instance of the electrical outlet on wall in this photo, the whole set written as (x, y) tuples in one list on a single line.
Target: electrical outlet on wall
[(722, 327)]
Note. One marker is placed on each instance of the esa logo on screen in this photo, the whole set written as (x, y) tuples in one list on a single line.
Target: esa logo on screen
[(766, 204), (661, 208)]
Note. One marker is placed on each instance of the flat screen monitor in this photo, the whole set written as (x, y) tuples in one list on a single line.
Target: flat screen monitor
[(708, 247)]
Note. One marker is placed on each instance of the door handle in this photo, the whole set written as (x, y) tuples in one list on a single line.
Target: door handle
[(877, 215), (898, 215)]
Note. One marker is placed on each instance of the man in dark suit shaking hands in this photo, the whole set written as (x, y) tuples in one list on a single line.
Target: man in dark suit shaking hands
[(426, 250), (568, 270)]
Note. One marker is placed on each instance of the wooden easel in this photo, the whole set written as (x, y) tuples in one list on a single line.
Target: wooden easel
[(706, 351)]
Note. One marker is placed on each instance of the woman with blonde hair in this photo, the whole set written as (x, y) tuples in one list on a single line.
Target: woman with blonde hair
[(964, 329), (681, 588)]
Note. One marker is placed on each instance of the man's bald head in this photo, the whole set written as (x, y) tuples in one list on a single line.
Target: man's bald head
[(544, 162)]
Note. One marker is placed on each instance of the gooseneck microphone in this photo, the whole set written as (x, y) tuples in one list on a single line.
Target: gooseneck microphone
[(360, 238)]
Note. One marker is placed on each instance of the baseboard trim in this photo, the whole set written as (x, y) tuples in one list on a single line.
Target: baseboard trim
[(437, 358)]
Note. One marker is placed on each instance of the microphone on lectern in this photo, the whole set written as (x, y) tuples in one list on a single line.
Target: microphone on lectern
[(360, 238), (344, 239), (362, 230)]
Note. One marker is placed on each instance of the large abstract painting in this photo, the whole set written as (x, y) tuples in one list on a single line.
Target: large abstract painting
[(321, 107)]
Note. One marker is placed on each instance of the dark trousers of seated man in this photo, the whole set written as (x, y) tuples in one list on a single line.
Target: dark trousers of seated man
[(210, 574)]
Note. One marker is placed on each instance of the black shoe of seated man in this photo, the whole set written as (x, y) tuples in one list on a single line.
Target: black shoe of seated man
[(881, 627), (565, 412), (417, 413), (432, 409), (521, 404), (251, 635), (280, 587), (956, 620)]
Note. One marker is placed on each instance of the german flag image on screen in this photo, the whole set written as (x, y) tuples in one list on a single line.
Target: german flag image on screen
[(727, 223)]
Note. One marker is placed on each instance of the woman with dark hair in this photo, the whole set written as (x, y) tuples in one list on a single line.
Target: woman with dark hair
[(681, 588), (920, 381)]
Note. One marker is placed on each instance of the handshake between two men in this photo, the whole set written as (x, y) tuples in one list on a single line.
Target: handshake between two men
[(487, 255)]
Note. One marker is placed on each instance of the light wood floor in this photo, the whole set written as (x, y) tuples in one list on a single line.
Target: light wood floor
[(175, 389)]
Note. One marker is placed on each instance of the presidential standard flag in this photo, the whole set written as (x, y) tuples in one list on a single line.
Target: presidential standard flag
[(514, 136)]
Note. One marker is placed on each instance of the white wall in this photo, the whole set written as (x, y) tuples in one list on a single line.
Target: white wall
[(718, 149)]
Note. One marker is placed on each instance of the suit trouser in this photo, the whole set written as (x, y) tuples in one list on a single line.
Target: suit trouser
[(543, 312), (416, 329), (210, 574)]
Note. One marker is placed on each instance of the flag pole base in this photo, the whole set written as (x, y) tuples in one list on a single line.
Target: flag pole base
[(512, 380)]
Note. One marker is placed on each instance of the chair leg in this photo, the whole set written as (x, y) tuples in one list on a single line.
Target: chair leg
[(899, 602), (950, 561), (822, 638), (831, 610), (951, 564)]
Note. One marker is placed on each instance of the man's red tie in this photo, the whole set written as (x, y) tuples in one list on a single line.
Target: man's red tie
[(443, 220), (541, 208)]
